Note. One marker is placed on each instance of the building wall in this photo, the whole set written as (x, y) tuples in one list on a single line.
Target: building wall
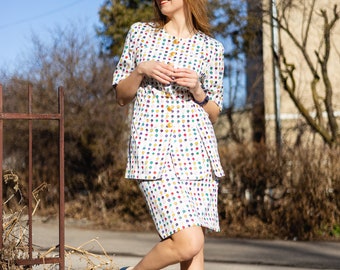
[(291, 121)]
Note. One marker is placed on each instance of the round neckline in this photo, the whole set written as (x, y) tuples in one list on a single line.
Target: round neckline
[(178, 38)]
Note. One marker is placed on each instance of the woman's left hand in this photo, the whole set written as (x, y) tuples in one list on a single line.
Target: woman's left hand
[(187, 78)]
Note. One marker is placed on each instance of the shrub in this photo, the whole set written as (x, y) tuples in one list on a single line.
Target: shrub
[(291, 195)]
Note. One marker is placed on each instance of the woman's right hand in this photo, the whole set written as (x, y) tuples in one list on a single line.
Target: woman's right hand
[(157, 70), (127, 88)]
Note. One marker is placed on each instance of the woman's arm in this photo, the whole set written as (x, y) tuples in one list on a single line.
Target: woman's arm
[(127, 88), (189, 78), (210, 107)]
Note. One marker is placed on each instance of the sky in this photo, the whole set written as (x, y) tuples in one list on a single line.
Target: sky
[(20, 18)]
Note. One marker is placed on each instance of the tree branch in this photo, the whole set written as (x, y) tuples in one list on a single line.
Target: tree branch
[(328, 26), (289, 70), (328, 131), (304, 43)]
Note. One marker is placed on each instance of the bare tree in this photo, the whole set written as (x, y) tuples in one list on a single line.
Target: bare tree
[(94, 124), (319, 113)]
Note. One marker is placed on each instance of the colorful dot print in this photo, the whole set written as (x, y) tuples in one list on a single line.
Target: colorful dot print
[(166, 123), (175, 205)]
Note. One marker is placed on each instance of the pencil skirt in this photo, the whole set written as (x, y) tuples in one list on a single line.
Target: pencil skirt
[(177, 204)]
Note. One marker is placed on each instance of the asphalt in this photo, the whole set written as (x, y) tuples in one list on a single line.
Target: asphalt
[(103, 249)]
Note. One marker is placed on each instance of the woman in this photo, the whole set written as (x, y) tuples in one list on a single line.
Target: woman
[(172, 70)]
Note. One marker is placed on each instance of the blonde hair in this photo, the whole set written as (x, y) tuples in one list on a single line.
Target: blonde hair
[(196, 12)]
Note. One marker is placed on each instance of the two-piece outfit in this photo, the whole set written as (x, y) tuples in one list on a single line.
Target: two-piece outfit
[(172, 149)]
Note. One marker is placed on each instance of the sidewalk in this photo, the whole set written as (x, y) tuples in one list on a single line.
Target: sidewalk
[(233, 254)]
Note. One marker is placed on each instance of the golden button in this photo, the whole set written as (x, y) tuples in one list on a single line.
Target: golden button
[(176, 41), (169, 125), (172, 54), (170, 108), (167, 95)]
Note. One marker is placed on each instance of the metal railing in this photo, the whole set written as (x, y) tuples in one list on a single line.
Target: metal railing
[(30, 117)]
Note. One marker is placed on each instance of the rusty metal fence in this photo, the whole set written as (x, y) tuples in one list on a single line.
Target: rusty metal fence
[(30, 117)]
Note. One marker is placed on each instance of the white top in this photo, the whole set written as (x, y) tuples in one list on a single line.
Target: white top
[(166, 120)]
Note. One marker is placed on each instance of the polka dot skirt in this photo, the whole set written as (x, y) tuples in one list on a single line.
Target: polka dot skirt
[(176, 204)]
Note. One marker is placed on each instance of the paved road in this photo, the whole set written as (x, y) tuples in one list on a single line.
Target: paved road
[(221, 254)]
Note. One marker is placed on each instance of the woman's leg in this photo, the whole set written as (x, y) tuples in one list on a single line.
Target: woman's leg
[(183, 246), (196, 263)]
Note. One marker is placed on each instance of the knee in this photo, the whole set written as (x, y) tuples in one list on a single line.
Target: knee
[(189, 243)]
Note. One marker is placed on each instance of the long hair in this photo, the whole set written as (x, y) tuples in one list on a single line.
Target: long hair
[(196, 12)]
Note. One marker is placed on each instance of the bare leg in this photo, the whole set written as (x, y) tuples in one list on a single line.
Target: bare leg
[(182, 246), (196, 263)]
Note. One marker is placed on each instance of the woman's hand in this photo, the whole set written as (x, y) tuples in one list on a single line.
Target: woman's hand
[(127, 88), (188, 78), (157, 70)]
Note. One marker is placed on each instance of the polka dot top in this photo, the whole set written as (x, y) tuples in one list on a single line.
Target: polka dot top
[(166, 121)]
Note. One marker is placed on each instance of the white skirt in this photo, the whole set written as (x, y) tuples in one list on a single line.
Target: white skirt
[(176, 204)]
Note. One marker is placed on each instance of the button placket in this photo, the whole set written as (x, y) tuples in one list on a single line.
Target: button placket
[(172, 55)]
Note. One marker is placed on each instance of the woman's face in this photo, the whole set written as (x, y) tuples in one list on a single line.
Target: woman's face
[(170, 7)]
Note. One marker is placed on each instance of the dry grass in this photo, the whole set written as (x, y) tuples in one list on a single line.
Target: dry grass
[(294, 195), (15, 234)]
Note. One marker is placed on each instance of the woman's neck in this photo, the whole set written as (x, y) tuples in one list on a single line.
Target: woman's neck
[(178, 28)]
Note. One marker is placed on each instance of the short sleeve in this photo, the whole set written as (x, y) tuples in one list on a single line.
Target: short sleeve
[(127, 61), (213, 81)]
